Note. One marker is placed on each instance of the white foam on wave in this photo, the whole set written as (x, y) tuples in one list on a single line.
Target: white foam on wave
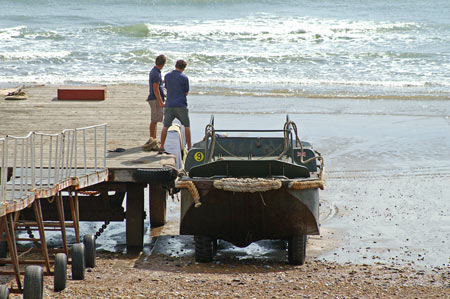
[(33, 55), (271, 27), (288, 80), (9, 33)]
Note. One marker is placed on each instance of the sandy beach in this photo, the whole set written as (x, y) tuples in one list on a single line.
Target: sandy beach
[(384, 213)]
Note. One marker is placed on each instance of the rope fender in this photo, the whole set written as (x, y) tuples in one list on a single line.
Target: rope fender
[(247, 184), (302, 185), (192, 188)]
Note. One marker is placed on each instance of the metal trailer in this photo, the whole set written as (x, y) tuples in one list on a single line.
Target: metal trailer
[(38, 167)]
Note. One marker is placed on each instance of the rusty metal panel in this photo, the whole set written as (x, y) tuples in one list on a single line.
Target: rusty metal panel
[(242, 218)]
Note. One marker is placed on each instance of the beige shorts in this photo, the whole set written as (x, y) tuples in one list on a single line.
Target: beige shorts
[(156, 111)]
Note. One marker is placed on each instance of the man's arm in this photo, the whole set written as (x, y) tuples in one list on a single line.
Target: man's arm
[(187, 86), (157, 94)]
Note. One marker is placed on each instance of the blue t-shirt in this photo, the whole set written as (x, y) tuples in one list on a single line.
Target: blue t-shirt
[(155, 77), (177, 85)]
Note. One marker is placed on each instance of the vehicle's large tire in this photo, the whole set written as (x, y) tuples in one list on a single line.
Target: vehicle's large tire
[(33, 285), (297, 250), (78, 263), (155, 174), (4, 292), (203, 249), (60, 273), (215, 244), (3, 250), (89, 250)]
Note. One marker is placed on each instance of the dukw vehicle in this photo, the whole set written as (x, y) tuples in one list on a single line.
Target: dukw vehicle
[(246, 189)]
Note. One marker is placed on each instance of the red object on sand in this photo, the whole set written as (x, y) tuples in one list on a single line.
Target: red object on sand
[(82, 93)]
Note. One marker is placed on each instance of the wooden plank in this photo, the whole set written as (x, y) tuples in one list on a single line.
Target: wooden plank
[(157, 204), (125, 110), (135, 216)]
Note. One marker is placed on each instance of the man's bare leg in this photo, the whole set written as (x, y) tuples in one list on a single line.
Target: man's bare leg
[(153, 127), (163, 136), (187, 132)]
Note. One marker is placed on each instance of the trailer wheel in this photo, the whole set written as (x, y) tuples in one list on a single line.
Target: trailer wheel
[(203, 249), (78, 263), (3, 250), (4, 292), (60, 274), (297, 250), (89, 250), (33, 285), (215, 245)]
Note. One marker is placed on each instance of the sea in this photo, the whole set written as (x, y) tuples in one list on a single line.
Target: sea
[(284, 48)]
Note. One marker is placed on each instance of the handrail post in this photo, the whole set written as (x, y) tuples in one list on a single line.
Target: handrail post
[(76, 152), (3, 171), (50, 160), (72, 151), (56, 158), (22, 163), (95, 148), (41, 166), (85, 153), (68, 155), (33, 164), (104, 149), (14, 165)]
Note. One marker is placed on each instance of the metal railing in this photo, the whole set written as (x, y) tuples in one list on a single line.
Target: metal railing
[(40, 161), (71, 155), (17, 153)]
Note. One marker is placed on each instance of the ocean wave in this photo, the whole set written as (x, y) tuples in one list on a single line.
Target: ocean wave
[(135, 30), (270, 28), (295, 82), (11, 32), (24, 32), (50, 56), (318, 94)]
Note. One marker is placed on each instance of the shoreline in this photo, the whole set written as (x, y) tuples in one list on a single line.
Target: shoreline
[(282, 93)]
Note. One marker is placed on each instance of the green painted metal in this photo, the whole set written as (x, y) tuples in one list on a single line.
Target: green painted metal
[(244, 217)]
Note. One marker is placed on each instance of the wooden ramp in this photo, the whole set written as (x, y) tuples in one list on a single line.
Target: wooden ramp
[(127, 113)]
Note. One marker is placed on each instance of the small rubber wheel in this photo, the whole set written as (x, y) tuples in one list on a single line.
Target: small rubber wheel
[(297, 250), (78, 263), (3, 250), (4, 292), (33, 286), (89, 250), (60, 274), (203, 249)]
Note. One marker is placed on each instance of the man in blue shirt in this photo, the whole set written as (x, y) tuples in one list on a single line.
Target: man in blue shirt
[(156, 95), (177, 85)]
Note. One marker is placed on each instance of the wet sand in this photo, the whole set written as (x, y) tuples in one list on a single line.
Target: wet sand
[(387, 168), (385, 211), (161, 276)]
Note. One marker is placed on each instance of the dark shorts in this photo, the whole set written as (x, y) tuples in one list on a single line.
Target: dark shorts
[(181, 113), (156, 111)]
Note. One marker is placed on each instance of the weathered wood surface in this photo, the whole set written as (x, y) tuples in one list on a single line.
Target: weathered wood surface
[(125, 110)]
